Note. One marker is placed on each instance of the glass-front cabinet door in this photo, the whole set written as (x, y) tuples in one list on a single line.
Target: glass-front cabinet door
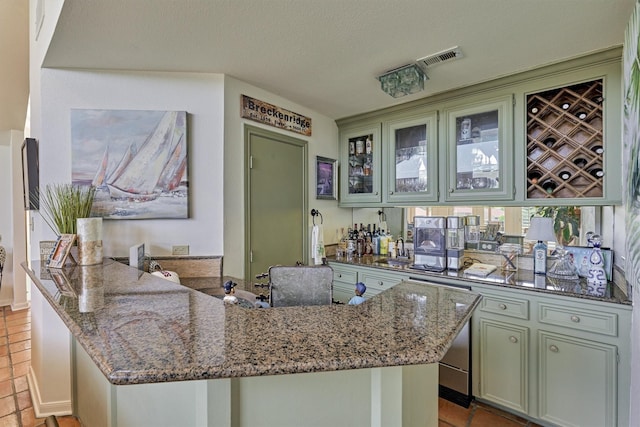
[(411, 159), (479, 151), (360, 180)]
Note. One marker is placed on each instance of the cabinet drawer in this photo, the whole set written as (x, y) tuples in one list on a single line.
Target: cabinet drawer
[(345, 276), (380, 281), (570, 317), (511, 307)]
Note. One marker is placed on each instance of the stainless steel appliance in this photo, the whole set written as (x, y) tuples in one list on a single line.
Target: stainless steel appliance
[(455, 242), (455, 366), (429, 243)]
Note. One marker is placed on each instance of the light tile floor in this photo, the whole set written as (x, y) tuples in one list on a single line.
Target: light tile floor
[(16, 408)]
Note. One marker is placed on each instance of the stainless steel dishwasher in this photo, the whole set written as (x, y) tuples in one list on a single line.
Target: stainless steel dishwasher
[(455, 366)]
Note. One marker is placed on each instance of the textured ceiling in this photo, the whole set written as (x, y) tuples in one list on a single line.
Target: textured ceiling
[(326, 54)]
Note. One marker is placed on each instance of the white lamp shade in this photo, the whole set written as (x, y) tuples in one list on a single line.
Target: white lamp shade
[(541, 229)]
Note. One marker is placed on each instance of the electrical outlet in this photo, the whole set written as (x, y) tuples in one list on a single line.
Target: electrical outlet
[(180, 250)]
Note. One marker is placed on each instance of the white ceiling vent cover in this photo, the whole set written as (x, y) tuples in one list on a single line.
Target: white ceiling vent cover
[(436, 58)]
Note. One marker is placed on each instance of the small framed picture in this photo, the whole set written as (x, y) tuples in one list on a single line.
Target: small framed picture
[(61, 250), (326, 178)]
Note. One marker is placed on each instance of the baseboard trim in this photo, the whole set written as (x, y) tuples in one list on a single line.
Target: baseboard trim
[(21, 306), (44, 409)]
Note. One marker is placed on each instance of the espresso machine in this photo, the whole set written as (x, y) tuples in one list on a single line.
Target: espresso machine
[(455, 242), (429, 243)]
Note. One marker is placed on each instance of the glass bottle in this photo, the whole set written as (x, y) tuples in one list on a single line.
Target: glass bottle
[(596, 277)]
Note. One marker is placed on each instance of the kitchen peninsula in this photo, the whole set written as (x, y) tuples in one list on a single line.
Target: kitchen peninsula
[(146, 351)]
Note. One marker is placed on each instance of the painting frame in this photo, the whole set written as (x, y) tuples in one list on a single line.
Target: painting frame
[(61, 251), (326, 178), (137, 160)]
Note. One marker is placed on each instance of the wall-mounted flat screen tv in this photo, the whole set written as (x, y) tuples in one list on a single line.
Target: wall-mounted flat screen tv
[(30, 174)]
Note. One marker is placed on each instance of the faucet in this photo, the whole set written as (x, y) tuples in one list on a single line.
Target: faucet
[(400, 252)]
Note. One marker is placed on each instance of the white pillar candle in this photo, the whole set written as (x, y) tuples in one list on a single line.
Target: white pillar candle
[(89, 240)]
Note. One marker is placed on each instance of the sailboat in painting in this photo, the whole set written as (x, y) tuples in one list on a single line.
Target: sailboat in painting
[(156, 167), (140, 177)]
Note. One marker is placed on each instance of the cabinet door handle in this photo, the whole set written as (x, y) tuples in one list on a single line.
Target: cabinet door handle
[(451, 190), (380, 282), (390, 193), (513, 339), (502, 306), (553, 348), (339, 275), (376, 193), (575, 319)]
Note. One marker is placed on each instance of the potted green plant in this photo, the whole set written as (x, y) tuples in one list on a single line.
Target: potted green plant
[(62, 204), (566, 222)]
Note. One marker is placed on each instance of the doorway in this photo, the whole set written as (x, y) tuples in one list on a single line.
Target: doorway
[(276, 200)]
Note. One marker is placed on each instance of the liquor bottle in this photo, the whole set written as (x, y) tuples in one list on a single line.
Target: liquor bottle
[(565, 175), (382, 241), (368, 146), (540, 258), (549, 186), (375, 241), (352, 147), (596, 277)]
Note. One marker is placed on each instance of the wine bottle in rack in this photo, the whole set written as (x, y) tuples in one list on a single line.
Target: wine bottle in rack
[(565, 175), (581, 114), (597, 149), (549, 186), (534, 176), (597, 172), (549, 142), (565, 105), (580, 162)]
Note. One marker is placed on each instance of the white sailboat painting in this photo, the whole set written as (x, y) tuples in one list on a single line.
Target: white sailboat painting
[(137, 160)]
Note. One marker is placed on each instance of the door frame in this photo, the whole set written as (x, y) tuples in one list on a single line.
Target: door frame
[(249, 132)]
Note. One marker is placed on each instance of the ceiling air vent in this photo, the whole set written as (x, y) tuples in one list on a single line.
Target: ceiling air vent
[(436, 58)]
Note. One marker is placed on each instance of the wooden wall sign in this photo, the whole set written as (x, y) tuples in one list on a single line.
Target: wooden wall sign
[(271, 115)]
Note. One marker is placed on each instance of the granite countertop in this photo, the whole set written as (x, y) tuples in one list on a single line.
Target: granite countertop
[(520, 279), (139, 328)]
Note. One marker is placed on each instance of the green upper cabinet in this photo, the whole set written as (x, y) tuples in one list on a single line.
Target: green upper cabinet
[(410, 162), (360, 160), (545, 137), (479, 141)]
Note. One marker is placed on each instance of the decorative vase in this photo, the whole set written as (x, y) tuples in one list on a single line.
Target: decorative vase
[(89, 232), (596, 277)]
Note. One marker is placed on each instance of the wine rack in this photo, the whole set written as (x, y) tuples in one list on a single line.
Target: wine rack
[(564, 142)]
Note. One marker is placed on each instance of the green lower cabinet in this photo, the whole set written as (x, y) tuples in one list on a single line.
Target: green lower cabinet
[(377, 281), (504, 363), (577, 381), (342, 292)]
